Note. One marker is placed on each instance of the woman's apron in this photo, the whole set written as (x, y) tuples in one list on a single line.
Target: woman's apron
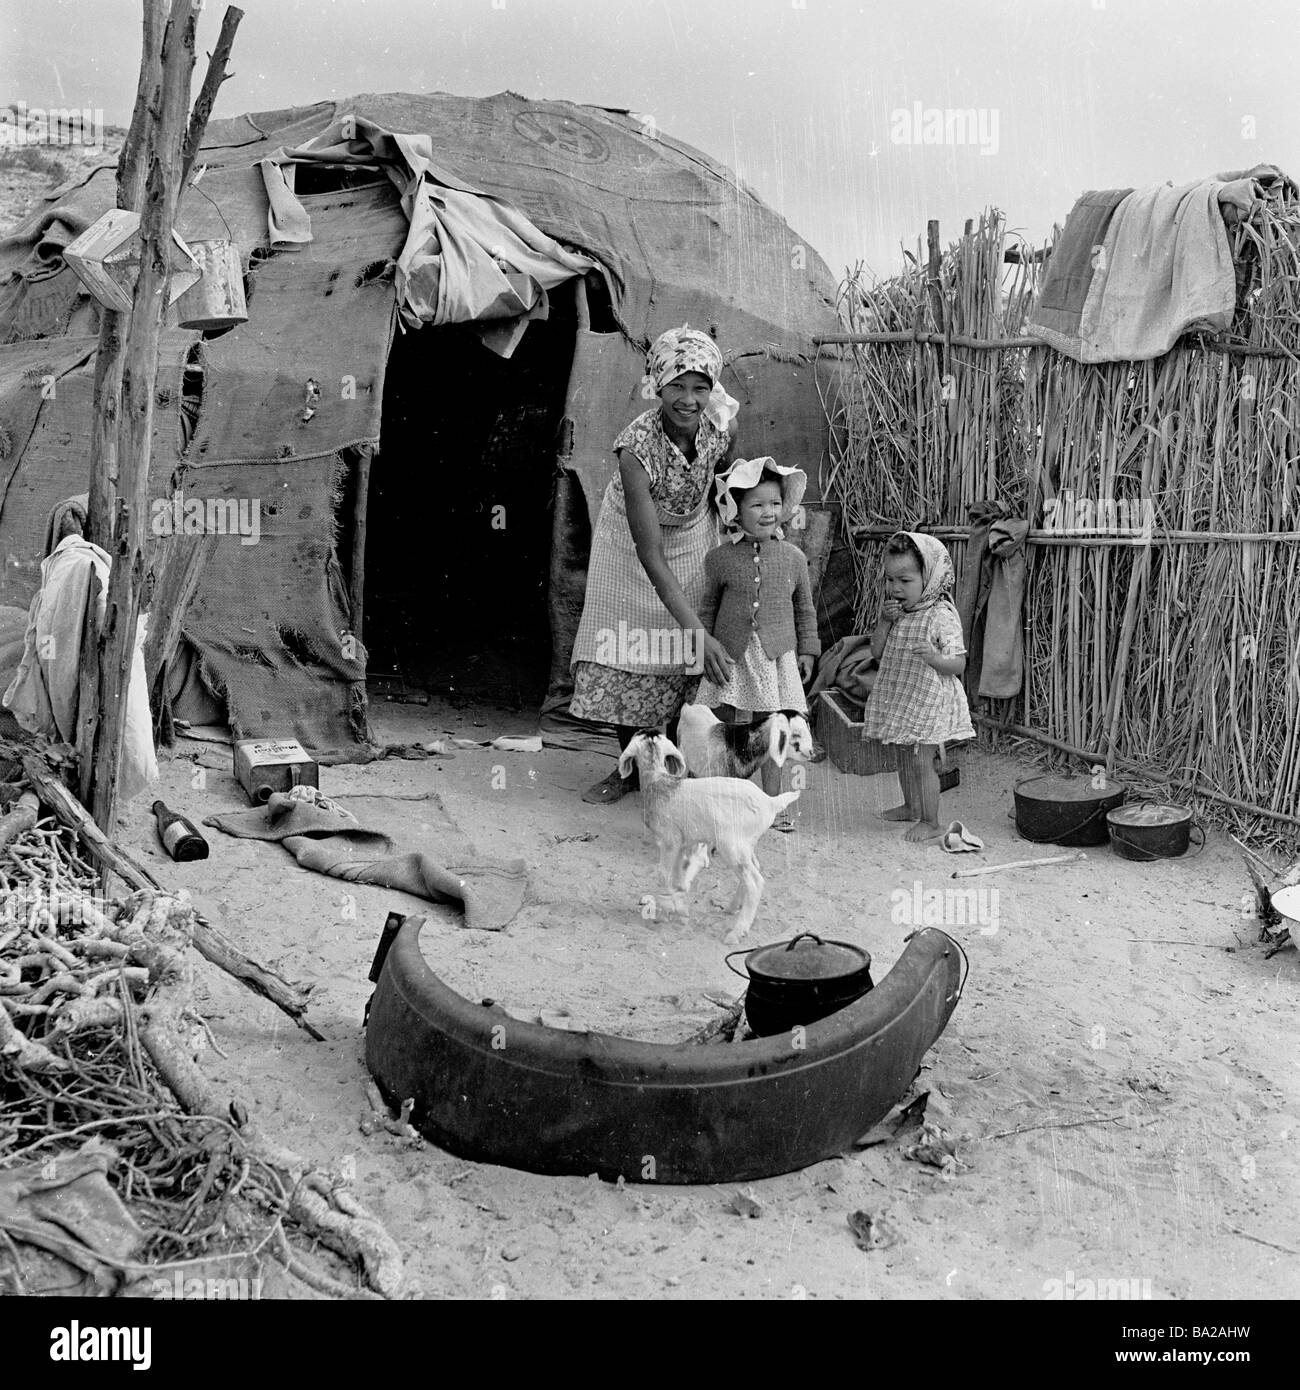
[(624, 623)]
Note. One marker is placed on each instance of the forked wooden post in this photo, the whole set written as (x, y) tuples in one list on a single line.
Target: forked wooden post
[(155, 162)]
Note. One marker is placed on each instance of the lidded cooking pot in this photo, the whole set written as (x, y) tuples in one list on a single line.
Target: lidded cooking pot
[(800, 981)]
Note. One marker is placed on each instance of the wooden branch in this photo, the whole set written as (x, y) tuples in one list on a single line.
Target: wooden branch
[(20, 820), (335, 1219), (1062, 536), (899, 336), (210, 943), (88, 682), (1020, 864), (215, 76), (357, 572), (163, 136), (112, 324)]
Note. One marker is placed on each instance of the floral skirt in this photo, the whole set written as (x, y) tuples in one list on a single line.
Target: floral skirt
[(758, 683), (606, 695)]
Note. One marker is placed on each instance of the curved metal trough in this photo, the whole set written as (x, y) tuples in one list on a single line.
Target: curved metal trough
[(491, 1088)]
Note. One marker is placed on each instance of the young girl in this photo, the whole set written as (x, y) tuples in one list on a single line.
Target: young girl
[(918, 702), (758, 602)]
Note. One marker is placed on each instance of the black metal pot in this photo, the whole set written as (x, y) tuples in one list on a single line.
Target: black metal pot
[(792, 983), (1065, 810), (1152, 830)]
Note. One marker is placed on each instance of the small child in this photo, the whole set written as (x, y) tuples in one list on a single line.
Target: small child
[(917, 701), (758, 603)]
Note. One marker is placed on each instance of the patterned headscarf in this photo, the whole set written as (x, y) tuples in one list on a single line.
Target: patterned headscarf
[(936, 568), (686, 349), (746, 473)]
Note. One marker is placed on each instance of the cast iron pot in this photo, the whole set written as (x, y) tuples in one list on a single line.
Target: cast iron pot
[(1152, 830), (800, 981), (1065, 810)]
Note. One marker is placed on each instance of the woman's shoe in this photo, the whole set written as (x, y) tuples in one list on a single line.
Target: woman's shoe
[(784, 823), (613, 788)]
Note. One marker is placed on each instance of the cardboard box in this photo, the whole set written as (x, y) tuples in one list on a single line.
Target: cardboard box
[(837, 726), (266, 765), (106, 259)]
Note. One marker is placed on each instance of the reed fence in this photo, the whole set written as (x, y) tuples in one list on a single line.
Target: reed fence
[(1170, 645)]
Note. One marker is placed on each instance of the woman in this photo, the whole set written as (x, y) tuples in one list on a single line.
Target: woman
[(641, 646)]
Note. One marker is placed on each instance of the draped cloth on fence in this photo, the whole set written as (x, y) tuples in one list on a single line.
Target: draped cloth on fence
[(990, 601), (1134, 271)]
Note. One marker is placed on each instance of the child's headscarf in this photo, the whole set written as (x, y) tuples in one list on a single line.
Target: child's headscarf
[(686, 349), (746, 473), (936, 568)]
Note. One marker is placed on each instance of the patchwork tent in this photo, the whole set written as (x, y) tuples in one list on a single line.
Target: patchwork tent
[(355, 222)]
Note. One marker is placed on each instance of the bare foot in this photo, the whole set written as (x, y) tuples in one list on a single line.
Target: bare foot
[(897, 813), (921, 832)]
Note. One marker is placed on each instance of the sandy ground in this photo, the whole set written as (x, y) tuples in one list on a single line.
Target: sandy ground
[(1122, 1072)]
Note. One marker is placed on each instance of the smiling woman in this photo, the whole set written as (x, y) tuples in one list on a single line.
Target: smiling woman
[(646, 575)]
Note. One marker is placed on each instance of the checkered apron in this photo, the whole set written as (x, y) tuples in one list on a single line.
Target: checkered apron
[(619, 590)]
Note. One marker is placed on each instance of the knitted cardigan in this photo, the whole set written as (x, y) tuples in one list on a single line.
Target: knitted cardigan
[(763, 587)]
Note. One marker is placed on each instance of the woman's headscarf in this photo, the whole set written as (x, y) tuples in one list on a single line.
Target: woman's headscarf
[(686, 349), (937, 576), (71, 507), (745, 473)]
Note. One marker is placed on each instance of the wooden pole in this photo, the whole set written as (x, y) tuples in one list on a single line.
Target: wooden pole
[(212, 80), (156, 162), (163, 127), (357, 570), (112, 325)]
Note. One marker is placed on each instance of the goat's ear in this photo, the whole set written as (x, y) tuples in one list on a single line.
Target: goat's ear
[(674, 764), (626, 762), (778, 738)]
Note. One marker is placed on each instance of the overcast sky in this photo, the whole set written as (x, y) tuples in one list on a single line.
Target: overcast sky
[(801, 97)]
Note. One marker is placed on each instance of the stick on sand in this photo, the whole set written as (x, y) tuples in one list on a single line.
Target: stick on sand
[(1020, 864)]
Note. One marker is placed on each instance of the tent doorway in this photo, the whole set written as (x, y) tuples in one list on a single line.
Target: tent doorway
[(458, 530)]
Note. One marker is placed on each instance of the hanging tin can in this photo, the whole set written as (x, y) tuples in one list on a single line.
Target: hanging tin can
[(217, 300)]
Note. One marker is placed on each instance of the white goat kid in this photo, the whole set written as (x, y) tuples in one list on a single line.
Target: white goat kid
[(688, 817), (777, 739)]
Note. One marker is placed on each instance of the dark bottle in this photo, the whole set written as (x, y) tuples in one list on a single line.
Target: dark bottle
[(180, 838)]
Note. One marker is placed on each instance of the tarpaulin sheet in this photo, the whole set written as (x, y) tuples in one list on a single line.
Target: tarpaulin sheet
[(325, 315), (468, 257), (270, 619), (56, 460), (679, 237)]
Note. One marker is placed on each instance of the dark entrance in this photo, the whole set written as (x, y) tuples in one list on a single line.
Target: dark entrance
[(459, 519)]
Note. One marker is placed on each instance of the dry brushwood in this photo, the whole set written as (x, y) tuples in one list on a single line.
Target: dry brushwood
[(98, 1038)]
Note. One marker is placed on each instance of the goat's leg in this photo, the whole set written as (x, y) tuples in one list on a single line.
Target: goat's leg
[(671, 855), (689, 864), (751, 891)]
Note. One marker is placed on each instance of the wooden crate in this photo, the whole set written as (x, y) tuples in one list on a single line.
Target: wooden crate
[(837, 727)]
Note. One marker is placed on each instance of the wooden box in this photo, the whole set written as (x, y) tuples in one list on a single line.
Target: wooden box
[(837, 727), (106, 259)]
